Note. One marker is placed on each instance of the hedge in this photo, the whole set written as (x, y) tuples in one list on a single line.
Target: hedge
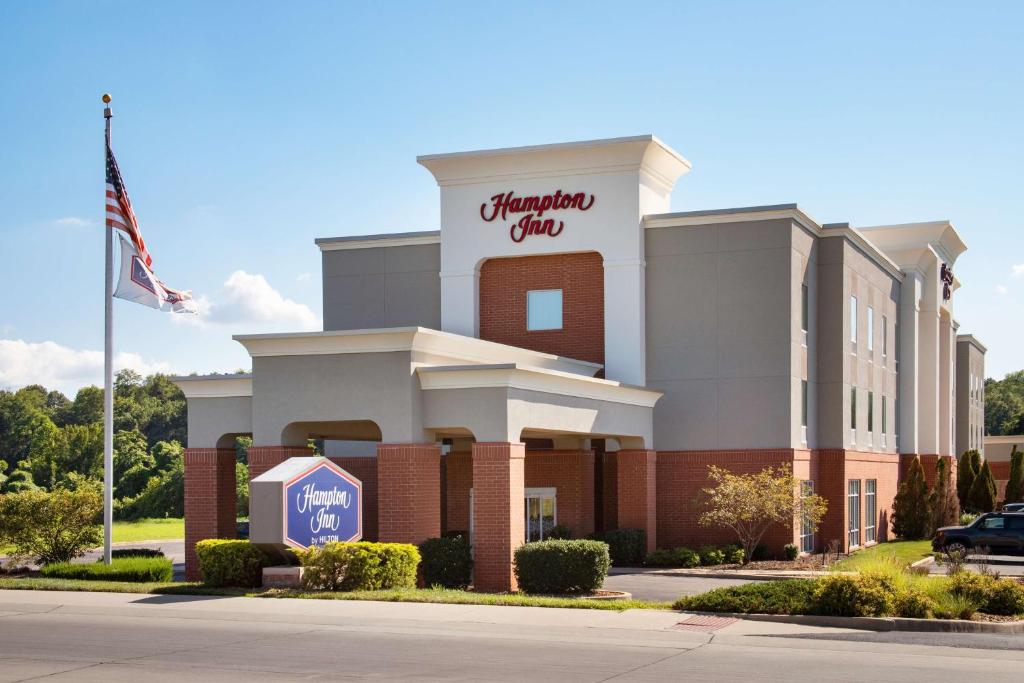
[(136, 552), (224, 562), (560, 567), (135, 569), (446, 562), (626, 547), (360, 566), (790, 596), (672, 557)]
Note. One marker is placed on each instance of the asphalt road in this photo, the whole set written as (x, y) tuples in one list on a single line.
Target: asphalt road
[(86, 637)]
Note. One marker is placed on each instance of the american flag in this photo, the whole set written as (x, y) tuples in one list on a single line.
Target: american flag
[(119, 208)]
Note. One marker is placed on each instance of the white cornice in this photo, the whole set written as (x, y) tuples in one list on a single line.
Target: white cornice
[(215, 386), (971, 339), (514, 376), (373, 241), (421, 339)]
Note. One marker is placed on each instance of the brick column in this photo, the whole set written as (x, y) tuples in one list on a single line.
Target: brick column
[(409, 492), (209, 500), (263, 458), (636, 493), (498, 526)]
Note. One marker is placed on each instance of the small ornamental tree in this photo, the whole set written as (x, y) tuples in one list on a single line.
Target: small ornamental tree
[(749, 504), (1015, 485), (51, 527), (945, 506), (982, 496), (912, 510), (966, 473)]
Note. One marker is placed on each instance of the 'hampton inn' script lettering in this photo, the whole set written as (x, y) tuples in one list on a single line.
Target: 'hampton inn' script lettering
[(319, 504), (534, 223)]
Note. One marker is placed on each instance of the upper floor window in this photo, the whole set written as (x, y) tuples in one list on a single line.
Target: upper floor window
[(853, 319), (804, 308), (544, 309), (885, 340), (871, 329)]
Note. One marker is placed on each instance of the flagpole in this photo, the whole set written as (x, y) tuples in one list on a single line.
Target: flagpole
[(108, 366)]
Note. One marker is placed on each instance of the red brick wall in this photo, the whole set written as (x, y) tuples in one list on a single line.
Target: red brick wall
[(503, 286), (884, 468), (637, 493), (572, 473), (409, 490), (263, 458), (458, 482), (209, 500), (609, 491), (365, 470), (1001, 473), (498, 476)]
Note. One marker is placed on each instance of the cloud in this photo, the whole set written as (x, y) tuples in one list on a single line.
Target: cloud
[(248, 300), (60, 367), (1002, 290), (303, 277), (1018, 270), (73, 222)]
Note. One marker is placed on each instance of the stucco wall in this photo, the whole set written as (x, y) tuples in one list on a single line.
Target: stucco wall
[(382, 287), (719, 334), (970, 404), (209, 419)]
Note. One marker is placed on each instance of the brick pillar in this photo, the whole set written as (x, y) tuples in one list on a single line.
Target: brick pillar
[(263, 458), (498, 526), (636, 493), (409, 492), (209, 500)]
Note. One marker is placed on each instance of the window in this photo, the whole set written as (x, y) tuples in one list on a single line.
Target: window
[(853, 512), (871, 412), (853, 416), (803, 410), (804, 309), (885, 420), (806, 530), (885, 340), (540, 513), (896, 335), (544, 309), (870, 510), (853, 320), (993, 523), (871, 329)]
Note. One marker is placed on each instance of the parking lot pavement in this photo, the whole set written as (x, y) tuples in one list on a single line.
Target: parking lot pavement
[(1005, 565), (646, 584)]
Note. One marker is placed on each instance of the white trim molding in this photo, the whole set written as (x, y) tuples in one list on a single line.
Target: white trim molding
[(215, 386)]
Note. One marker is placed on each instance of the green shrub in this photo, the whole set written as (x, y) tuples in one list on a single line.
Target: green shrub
[(733, 554), (711, 555), (447, 562), (967, 517), (227, 562), (626, 547), (913, 604), (790, 551), (760, 552), (791, 596), (360, 566), (51, 527), (1005, 597), (558, 532), (950, 606), (561, 566), (974, 587), (136, 552), (868, 595), (673, 557), (141, 569)]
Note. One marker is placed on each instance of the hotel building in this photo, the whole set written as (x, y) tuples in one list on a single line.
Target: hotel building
[(566, 350)]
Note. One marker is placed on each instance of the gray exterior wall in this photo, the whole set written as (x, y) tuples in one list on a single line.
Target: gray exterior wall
[(382, 287), (970, 398), (212, 419), (845, 271), (719, 334)]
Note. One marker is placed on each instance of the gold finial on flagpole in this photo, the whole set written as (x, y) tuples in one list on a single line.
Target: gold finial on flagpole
[(106, 110), (106, 98)]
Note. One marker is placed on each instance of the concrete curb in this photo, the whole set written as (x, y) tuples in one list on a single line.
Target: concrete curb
[(923, 562), (753, 575), (884, 623)]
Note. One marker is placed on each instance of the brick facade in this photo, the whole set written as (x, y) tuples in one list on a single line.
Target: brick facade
[(209, 500), (263, 458), (503, 286), (409, 492), (498, 477), (637, 494), (365, 470)]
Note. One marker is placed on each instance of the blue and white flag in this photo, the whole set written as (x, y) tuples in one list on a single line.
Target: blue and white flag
[(138, 284)]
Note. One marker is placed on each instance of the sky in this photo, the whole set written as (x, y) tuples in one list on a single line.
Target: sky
[(244, 130)]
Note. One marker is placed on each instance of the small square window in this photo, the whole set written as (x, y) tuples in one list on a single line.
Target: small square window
[(544, 309)]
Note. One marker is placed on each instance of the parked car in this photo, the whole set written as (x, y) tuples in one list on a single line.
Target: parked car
[(1000, 532), (1013, 507)]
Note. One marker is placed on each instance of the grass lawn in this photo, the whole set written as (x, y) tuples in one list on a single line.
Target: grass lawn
[(170, 529), (904, 552), (450, 597)]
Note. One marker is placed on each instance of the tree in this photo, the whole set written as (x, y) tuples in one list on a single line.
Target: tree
[(945, 506), (749, 504), (51, 527), (163, 495), (241, 490), (965, 475), (1004, 405), (912, 511), (133, 465), (1015, 485), (20, 479), (982, 496), (87, 408)]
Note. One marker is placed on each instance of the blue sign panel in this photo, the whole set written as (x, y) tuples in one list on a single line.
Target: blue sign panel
[(321, 505)]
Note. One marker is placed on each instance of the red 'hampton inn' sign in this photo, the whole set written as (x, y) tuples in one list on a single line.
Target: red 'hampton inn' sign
[(534, 223)]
